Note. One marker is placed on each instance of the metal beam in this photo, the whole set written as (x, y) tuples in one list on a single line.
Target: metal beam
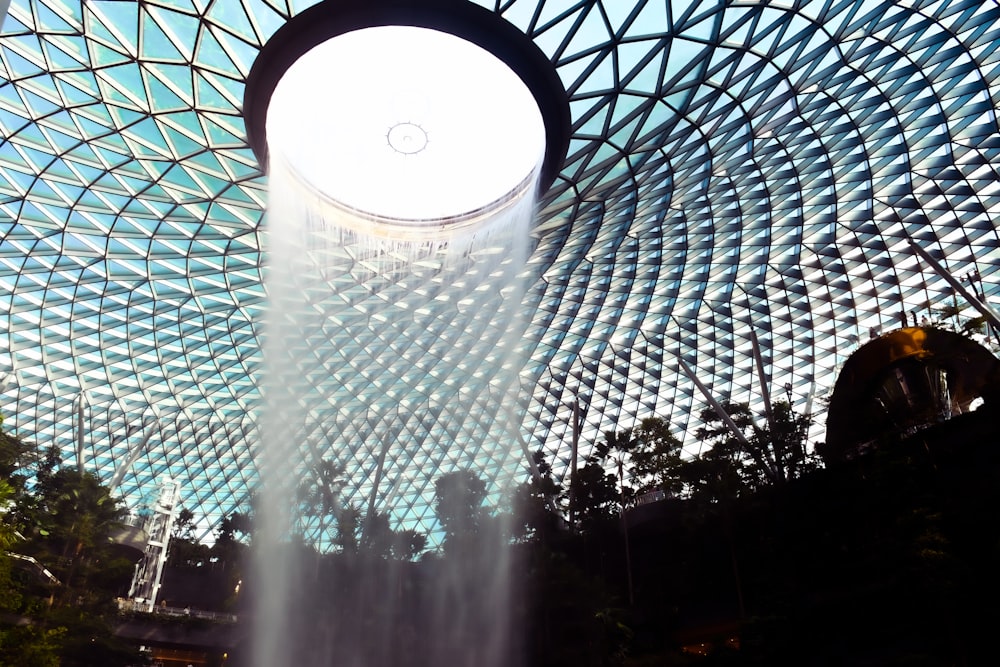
[(719, 410), (765, 394), (133, 456), (79, 433), (973, 299)]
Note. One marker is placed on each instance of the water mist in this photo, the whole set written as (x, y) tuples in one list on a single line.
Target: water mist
[(383, 357)]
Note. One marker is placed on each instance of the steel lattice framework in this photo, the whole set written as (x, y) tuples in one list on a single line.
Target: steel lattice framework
[(737, 169)]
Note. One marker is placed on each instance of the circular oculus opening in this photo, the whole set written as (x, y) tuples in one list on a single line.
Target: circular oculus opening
[(415, 116), (407, 124)]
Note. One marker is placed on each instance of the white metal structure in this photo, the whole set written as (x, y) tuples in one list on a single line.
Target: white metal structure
[(158, 525)]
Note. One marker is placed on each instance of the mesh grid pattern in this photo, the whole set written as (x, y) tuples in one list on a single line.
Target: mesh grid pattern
[(736, 168)]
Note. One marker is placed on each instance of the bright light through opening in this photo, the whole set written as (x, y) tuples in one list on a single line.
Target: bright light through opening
[(408, 126)]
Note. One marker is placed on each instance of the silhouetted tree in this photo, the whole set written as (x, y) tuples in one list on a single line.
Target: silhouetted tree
[(349, 526), (781, 451), (184, 550), (535, 504), (595, 492), (380, 540), (657, 464), (771, 456), (408, 543), (183, 525), (470, 602), (458, 504), (231, 548), (319, 495), (376, 535)]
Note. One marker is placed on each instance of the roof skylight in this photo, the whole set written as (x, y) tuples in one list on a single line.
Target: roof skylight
[(407, 128)]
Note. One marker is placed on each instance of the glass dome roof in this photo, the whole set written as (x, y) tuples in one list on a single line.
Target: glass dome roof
[(736, 169)]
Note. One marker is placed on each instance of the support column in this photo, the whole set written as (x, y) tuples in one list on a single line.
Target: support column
[(719, 410), (764, 392), (956, 284)]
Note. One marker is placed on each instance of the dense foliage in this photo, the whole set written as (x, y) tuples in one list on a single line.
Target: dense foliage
[(60, 570), (748, 552)]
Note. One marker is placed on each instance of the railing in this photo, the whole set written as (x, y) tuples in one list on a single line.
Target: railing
[(175, 612), (42, 570), (651, 497)]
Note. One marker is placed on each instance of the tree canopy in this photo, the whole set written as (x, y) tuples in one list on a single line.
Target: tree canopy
[(58, 531)]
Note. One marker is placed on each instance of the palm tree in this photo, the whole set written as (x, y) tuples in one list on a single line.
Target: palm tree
[(319, 495)]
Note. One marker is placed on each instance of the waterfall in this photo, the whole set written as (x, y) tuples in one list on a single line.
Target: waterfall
[(393, 358)]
